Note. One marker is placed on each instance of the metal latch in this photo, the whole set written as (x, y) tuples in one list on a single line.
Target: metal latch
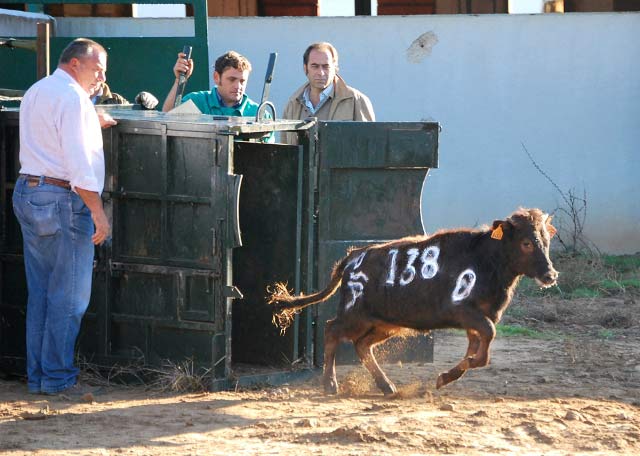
[(231, 291)]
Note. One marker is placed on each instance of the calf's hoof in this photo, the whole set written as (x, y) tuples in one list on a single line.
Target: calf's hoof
[(388, 389), (331, 387), (442, 380)]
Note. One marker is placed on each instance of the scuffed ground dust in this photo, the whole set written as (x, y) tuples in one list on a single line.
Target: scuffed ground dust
[(575, 392)]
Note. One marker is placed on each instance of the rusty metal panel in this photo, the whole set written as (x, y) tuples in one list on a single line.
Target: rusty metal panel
[(289, 7), (232, 7), (371, 177), (404, 7)]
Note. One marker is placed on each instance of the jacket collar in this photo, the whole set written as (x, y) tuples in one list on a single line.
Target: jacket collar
[(340, 91)]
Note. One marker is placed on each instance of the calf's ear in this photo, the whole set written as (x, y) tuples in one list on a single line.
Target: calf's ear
[(550, 228)]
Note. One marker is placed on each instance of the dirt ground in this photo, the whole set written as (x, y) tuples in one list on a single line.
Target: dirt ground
[(575, 390)]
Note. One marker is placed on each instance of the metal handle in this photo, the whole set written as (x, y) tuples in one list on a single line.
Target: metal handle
[(269, 76), (234, 218), (262, 108), (182, 79)]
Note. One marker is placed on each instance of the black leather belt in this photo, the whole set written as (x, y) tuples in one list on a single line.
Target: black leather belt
[(47, 180)]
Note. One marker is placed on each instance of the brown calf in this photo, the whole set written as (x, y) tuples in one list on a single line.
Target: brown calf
[(453, 279)]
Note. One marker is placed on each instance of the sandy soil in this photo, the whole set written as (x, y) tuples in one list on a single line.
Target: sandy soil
[(576, 391)]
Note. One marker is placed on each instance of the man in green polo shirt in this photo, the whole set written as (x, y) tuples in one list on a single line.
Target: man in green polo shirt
[(227, 98)]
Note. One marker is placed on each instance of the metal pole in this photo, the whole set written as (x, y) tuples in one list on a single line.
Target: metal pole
[(42, 50), (363, 7)]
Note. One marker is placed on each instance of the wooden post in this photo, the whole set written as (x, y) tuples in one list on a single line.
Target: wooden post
[(42, 50)]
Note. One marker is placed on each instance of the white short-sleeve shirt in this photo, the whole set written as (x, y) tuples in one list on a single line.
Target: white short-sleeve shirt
[(60, 133)]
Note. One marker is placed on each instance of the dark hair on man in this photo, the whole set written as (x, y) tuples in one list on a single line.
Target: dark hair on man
[(79, 49), (321, 46), (231, 59)]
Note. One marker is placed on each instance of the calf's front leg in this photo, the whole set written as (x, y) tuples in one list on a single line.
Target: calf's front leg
[(480, 338)]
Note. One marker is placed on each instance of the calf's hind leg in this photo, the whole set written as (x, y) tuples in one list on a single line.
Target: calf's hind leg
[(331, 341), (364, 347)]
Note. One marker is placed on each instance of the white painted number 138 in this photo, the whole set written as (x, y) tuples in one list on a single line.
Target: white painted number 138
[(428, 270)]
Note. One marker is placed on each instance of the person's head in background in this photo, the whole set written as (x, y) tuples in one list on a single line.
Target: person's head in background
[(320, 64), (231, 74), (86, 62)]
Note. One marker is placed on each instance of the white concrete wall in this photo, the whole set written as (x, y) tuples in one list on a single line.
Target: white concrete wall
[(565, 86)]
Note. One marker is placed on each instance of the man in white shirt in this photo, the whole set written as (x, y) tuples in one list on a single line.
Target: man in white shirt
[(57, 202)]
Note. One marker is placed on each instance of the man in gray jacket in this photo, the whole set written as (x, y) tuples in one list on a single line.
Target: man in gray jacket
[(326, 95)]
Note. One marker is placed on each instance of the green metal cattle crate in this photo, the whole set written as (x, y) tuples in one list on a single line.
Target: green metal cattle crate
[(205, 217)]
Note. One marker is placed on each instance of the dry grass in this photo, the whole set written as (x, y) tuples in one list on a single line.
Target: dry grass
[(584, 275), (181, 377)]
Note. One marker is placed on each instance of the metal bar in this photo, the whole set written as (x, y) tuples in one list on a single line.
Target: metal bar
[(164, 270), (29, 45), (224, 153), (272, 379), (42, 50), (259, 127), (312, 261), (164, 216), (154, 197), (181, 295), (155, 321), (298, 272), (268, 77), (3, 187)]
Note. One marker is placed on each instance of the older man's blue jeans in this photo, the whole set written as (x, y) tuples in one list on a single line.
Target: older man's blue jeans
[(58, 257)]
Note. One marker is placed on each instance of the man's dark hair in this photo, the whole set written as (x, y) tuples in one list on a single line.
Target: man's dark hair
[(321, 46), (79, 49), (231, 59)]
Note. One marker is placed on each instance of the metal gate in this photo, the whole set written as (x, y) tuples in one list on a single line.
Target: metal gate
[(371, 177), (201, 218), (160, 287), (13, 287)]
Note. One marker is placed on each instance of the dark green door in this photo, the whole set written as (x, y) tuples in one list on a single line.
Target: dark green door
[(371, 177), (13, 287), (160, 287)]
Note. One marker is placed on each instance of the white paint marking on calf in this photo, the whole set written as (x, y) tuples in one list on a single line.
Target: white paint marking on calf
[(429, 260), (357, 288), (357, 261), (391, 277), (409, 272), (464, 285)]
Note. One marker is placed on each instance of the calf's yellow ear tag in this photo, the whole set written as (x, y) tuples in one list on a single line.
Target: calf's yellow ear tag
[(497, 233)]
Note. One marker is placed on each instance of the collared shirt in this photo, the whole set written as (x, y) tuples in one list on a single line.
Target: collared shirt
[(96, 96), (222, 103), (324, 96), (209, 102), (60, 134)]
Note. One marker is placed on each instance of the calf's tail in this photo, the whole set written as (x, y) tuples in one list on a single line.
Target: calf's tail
[(286, 306)]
